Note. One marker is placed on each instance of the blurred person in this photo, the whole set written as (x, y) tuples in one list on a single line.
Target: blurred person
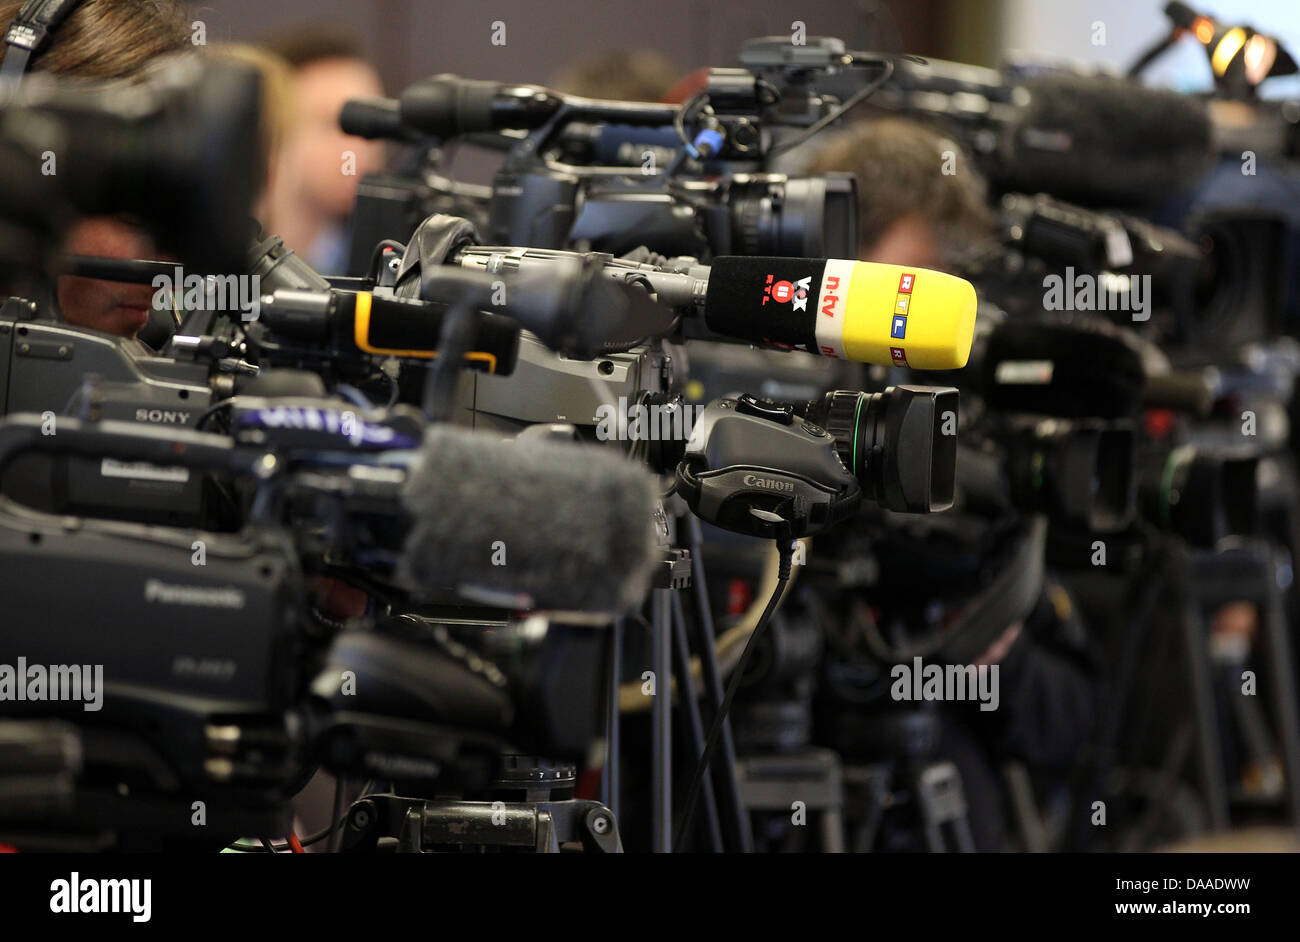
[(118, 40), (314, 185), (275, 114), (620, 75), (920, 200), (922, 203), (107, 40), (933, 576), (278, 109), (309, 201)]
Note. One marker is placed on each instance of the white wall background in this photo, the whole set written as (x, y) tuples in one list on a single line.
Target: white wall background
[(1063, 29)]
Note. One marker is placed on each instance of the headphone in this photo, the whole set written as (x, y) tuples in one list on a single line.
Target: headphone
[(28, 35)]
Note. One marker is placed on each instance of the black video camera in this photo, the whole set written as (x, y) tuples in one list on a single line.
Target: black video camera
[(611, 176), (756, 467)]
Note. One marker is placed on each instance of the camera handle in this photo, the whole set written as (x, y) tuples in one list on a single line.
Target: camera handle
[(129, 441)]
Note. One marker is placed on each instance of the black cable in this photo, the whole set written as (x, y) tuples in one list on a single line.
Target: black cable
[(1152, 53), (340, 818), (372, 269), (850, 103), (786, 548), (211, 411), (679, 119), (770, 94), (266, 842), (393, 391), (444, 370)]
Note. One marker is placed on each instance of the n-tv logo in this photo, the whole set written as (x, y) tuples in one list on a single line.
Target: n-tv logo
[(794, 292), (832, 304), (830, 295)]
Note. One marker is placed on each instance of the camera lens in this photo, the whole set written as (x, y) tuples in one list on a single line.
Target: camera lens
[(1080, 473), (1208, 494), (901, 444), (796, 217)]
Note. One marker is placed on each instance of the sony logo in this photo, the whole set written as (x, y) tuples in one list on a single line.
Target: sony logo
[(166, 416), (768, 484)]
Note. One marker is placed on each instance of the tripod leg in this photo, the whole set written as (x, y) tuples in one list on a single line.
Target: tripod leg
[(609, 781), (661, 728), (694, 726), (724, 764), (1281, 658), (1196, 640)]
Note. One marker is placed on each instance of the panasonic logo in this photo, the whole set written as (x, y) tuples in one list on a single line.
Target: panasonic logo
[(163, 416), (397, 766), (768, 484), (195, 595)]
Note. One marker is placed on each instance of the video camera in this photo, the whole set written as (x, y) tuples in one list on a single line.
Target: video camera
[(613, 176), (298, 436)]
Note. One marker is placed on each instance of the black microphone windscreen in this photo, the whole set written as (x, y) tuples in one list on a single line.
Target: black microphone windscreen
[(1106, 140), (1087, 368), (568, 526)]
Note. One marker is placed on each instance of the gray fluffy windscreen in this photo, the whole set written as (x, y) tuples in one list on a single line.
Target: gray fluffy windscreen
[(568, 524)]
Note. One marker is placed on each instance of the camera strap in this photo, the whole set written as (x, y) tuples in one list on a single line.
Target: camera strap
[(28, 33)]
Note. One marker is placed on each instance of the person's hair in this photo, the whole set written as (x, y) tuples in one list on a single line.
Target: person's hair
[(622, 75), (303, 47), (278, 105), (903, 169), (107, 39)]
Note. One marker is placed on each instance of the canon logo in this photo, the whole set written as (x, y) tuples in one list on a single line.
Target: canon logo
[(768, 484)]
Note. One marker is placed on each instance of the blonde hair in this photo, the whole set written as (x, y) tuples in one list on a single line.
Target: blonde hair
[(278, 108)]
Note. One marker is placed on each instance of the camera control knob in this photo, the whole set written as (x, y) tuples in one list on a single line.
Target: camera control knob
[(765, 409)]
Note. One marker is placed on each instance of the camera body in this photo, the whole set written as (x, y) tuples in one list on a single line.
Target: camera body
[(612, 176), (55, 369), (738, 214), (754, 466)]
